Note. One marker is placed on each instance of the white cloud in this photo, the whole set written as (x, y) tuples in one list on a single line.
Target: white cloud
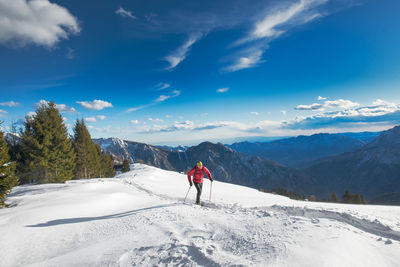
[(95, 104), (101, 117), (134, 122), (62, 108), (90, 119), (70, 53), (168, 116), (283, 112), (182, 52), (39, 22), (244, 62), (162, 86), (321, 98), (340, 103), (9, 104), (155, 120), (158, 100), (380, 111), (254, 113), (380, 102), (3, 113), (269, 27), (124, 13), (162, 98), (223, 90), (276, 22), (129, 110)]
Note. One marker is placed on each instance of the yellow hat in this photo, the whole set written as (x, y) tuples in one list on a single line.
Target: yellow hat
[(199, 163)]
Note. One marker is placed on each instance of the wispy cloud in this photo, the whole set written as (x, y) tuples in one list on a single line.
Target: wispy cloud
[(38, 22), (223, 90), (321, 98), (158, 100), (124, 13), (162, 98), (3, 113), (9, 104), (275, 24), (95, 104), (283, 112), (156, 120), (272, 26), (101, 117), (90, 119), (176, 57), (70, 53), (162, 86), (340, 103), (129, 110), (254, 113), (251, 59), (134, 122)]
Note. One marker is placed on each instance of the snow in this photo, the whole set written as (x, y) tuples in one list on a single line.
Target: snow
[(139, 219)]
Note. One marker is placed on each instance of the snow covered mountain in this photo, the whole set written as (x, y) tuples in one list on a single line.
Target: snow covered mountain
[(301, 151), (140, 219), (135, 152), (373, 170), (224, 163)]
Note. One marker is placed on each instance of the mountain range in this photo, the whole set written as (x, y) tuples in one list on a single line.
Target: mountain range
[(301, 151), (225, 164), (318, 164), (372, 170)]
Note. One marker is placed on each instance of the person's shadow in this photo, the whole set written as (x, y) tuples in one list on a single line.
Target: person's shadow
[(88, 219)]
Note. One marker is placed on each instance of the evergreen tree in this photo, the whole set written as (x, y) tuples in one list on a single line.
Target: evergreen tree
[(12, 142), (363, 200), (106, 163), (346, 197), (87, 157), (7, 171), (334, 198), (125, 166), (356, 199), (47, 154)]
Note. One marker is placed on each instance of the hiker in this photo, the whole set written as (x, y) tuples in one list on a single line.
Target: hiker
[(198, 175)]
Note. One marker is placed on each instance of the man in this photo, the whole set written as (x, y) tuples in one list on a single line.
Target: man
[(198, 176)]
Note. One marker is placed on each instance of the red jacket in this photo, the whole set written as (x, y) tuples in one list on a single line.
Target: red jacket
[(198, 174)]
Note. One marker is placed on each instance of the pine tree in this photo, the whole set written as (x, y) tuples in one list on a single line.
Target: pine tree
[(125, 166), (87, 157), (363, 200), (356, 199), (47, 154), (106, 163), (346, 197), (7, 171), (334, 198)]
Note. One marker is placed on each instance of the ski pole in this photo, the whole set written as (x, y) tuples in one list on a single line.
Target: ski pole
[(187, 194), (210, 190)]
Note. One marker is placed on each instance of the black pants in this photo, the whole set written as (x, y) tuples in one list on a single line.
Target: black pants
[(199, 187)]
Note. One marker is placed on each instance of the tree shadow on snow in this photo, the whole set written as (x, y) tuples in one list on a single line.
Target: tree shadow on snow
[(105, 217)]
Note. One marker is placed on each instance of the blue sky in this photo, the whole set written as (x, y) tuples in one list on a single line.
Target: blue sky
[(181, 72)]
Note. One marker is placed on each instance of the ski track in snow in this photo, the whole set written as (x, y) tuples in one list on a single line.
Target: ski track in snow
[(139, 219)]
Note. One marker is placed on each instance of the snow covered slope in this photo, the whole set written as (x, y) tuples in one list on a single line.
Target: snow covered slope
[(139, 219)]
